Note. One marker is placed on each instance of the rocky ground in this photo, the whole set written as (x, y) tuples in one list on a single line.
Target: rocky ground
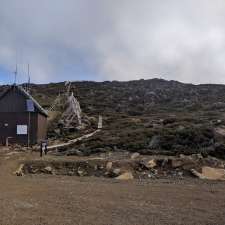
[(159, 159), (127, 166), (45, 199)]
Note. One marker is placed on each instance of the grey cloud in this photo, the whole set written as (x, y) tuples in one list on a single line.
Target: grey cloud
[(116, 40)]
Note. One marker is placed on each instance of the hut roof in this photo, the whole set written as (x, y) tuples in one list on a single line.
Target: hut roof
[(27, 95)]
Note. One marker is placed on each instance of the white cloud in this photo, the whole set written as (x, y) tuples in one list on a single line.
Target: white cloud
[(116, 40)]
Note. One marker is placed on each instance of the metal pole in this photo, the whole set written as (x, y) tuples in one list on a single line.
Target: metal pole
[(28, 73), (15, 73), (28, 134)]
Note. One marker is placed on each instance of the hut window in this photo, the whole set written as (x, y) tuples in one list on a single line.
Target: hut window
[(21, 129)]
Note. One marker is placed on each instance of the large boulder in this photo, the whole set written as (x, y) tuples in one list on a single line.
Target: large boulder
[(48, 169), (19, 171), (125, 176), (210, 173), (184, 162), (150, 164), (109, 166), (135, 155)]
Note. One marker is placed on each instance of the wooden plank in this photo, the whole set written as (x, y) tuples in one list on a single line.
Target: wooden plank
[(72, 141)]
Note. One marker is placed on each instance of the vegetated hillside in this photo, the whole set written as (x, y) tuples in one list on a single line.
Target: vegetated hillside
[(137, 97), (149, 116)]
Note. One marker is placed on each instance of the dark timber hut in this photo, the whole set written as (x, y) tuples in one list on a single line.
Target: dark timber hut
[(22, 119)]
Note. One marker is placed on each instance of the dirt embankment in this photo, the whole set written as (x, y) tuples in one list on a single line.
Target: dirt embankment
[(69, 200), (127, 166)]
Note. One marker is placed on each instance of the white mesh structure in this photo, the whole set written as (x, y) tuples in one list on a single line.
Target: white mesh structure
[(56, 102), (72, 114), (100, 122)]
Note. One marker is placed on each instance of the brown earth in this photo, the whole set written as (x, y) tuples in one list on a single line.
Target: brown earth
[(64, 200)]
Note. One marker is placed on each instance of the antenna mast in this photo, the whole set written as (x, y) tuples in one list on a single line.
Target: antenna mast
[(15, 75), (28, 73)]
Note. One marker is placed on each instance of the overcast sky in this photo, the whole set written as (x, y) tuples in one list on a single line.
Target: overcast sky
[(113, 40)]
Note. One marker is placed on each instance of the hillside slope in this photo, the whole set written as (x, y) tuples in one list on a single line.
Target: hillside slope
[(149, 116), (142, 96)]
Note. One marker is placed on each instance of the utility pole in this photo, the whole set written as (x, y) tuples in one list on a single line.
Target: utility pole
[(15, 75), (29, 110), (28, 131)]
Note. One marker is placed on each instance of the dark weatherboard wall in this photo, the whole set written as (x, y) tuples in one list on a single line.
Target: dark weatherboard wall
[(21, 118)]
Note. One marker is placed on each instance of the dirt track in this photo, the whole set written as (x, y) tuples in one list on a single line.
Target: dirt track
[(44, 200)]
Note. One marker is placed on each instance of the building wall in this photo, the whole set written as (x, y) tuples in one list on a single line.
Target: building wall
[(8, 127), (41, 127), (13, 112), (13, 102)]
